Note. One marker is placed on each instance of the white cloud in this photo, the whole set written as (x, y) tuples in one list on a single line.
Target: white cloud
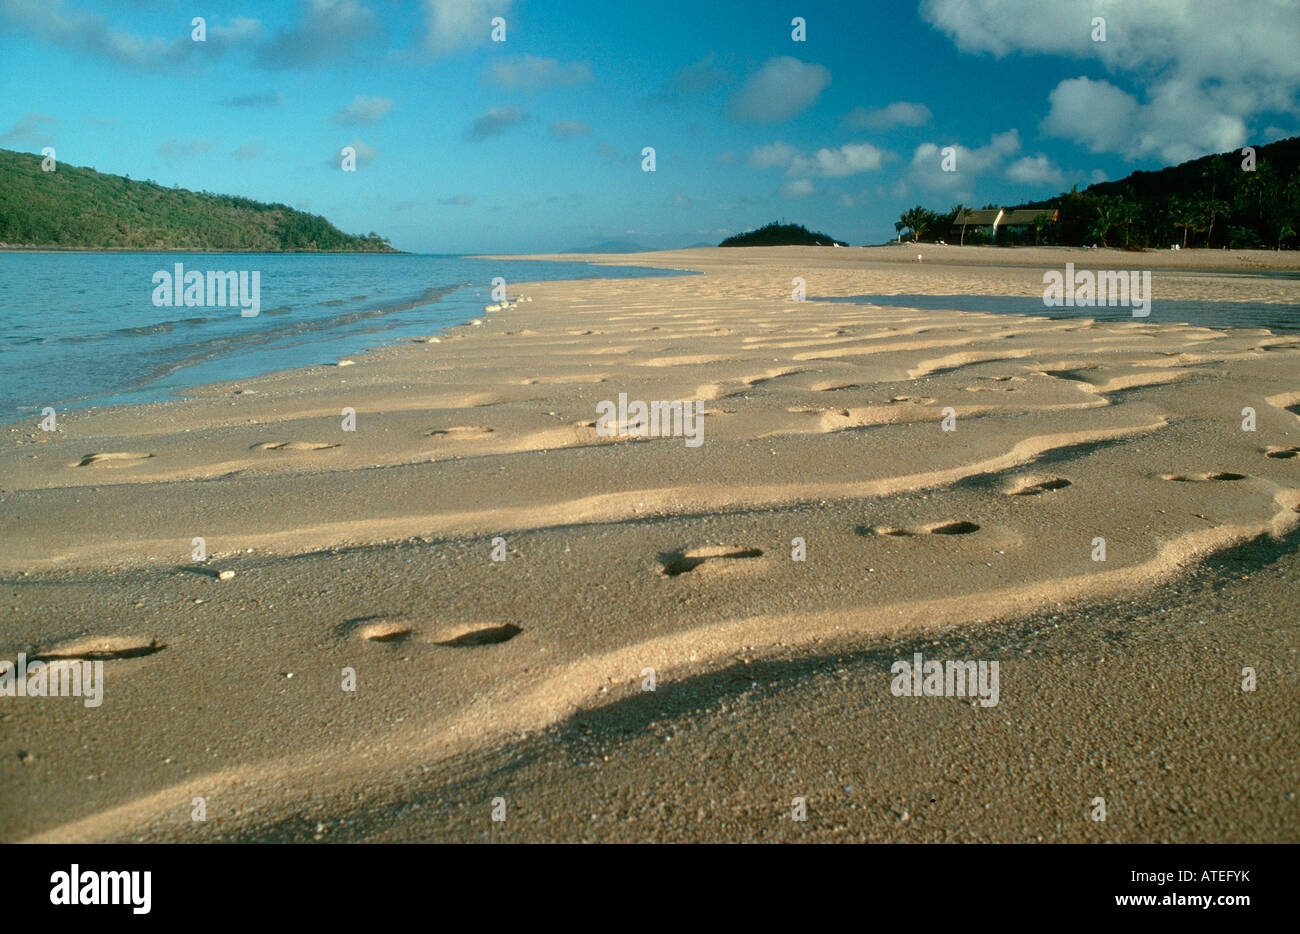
[(779, 90), (1203, 70), (928, 159), (799, 188), (364, 110), (365, 154), (531, 73), (901, 113), (849, 159), (90, 33), (454, 24), (1178, 123), (773, 155), (1094, 113), (1035, 170)]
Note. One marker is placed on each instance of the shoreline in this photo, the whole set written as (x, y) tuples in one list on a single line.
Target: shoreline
[(372, 551)]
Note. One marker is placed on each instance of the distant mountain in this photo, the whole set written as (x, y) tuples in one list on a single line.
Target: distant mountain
[(775, 234), (79, 208), (611, 246)]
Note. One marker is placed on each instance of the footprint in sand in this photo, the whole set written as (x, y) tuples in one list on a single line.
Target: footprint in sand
[(99, 649), (293, 446), (1202, 477), (112, 459), (460, 432), (682, 562), (1282, 453), (474, 634), (1033, 486), (386, 631), (960, 527), (391, 631)]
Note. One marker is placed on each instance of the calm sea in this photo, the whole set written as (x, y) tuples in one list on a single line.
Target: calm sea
[(80, 329)]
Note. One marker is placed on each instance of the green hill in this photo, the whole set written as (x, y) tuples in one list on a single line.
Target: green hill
[(79, 208), (775, 234), (1207, 202), (1210, 202)]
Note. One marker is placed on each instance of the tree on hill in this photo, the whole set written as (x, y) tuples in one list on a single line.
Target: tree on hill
[(1229, 198), (777, 234), (81, 208)]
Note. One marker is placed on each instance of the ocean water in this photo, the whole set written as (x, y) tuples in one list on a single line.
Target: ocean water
[(1276, 317), (79, 329)]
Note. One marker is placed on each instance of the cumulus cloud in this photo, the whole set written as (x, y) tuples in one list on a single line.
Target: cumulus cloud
[(494, 121), (928, 159), (773, 155), (366, 154), (453, 24), (781, 89), (326, 32), (31, 129), (1177, 123), (457, 200), (248, 151), (1035, 170), (364, 109), (531, 73), (1202, 72), (902, 113), (849, 159), (1094, 113), (569, 129), (842, 161), (90, 33), (798, 188)]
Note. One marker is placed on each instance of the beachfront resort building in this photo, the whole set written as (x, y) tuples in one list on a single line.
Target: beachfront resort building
[(991, 219)]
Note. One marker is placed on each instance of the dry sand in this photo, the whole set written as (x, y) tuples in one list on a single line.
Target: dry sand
[(475, 679)]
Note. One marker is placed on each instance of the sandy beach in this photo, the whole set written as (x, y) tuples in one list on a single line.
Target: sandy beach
[(494, 578)]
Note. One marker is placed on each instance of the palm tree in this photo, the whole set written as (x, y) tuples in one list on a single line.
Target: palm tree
[(1183, 215), (1209, 210), (918, 220), (1108, 216), (962, 213), (1127, 214), (1040, 221)]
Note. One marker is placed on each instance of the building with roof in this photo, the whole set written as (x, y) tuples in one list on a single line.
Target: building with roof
[(991, 219)]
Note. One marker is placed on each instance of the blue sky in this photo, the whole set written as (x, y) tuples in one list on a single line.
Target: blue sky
[(534, 143)]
